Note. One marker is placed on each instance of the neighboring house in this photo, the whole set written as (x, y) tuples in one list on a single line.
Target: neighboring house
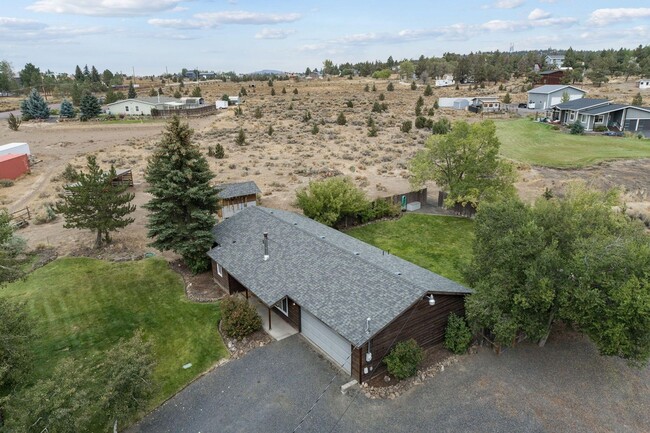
[(445, 80), (486, 104), (349, 299), (592, 113), (143, 105), (551, 77), (545, 97), (644, 83), (234, 197), (556, 60)]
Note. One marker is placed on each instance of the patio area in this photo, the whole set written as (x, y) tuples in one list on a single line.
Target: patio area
[(277, 328)]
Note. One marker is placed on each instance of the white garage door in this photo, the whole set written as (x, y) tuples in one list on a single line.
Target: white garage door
[(337, 347)]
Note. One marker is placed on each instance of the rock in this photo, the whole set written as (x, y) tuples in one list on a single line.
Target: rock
[(442, 368), (386, 378)]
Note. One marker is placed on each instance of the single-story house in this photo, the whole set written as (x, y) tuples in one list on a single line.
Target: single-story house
[(351, 300), (551, 77), (556, 60), (486, 103), (143, 105), (592, 113), (545, 97), (445, 80), (234, 197), (644, 83), (12, 165)]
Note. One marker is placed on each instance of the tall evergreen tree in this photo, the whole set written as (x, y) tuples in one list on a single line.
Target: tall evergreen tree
[(94, 75), (34, 107), (78, 74), (89, 107), (67, 110), (132, 94), (94, 203), (181, 212)]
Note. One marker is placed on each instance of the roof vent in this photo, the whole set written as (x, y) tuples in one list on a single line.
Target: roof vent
[(266, 246), (295, 223), (356, 253), (398, 273), (322, 237)]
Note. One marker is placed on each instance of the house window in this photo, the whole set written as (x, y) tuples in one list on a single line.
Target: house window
[(583, 118), (283, 305), (126, 108), (136, 108), (219, 270), (572, 116), (599, 119)]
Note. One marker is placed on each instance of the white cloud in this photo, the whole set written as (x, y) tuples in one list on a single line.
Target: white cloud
[(215, 19), (19, 23), (508, 4), (267, 33), (601, 17), (537, 14), (502, 25), (103, 7)]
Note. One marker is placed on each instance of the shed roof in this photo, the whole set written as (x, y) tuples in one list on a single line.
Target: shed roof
[(336, 277), (551, 88), (237, 189), (581, 104), (604, 109), (486, 99)]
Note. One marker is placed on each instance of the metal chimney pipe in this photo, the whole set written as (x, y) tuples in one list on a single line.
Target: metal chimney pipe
[(266, 246)]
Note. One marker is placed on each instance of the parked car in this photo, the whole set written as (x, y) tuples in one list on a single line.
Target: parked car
[(522, 105)]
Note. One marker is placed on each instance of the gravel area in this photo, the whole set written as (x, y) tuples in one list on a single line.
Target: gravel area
[(563, 387)]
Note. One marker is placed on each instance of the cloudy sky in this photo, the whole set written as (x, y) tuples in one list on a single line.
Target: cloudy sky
[(249, 35)]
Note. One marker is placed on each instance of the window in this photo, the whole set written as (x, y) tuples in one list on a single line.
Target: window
[(572, 116), (136, 108), (283, 305), (126, 108), (599, 119), (219, 270), (583, 118)]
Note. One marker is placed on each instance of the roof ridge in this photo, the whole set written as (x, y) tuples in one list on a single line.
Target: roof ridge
[(395, 274)]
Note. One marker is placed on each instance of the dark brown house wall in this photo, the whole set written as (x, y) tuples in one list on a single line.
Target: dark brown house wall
[(294, 314), (554, 78), (227, 281), (422, 322)]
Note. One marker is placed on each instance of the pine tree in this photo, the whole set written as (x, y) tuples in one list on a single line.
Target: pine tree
[(89, 107), (181, 211), (196, 92), (14, 122), (132, 94), (34, 107), (94, 75), (94, 203), (78, 75), (67, 110), (428, 91), (507, 99), (241, 138), (637, 100)]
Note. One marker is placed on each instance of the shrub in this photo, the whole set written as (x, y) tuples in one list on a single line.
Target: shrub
[(242, 92), (258, 113), (270, 130), (390, 87), (383, 74), (273, 91), (241, 138), (219, 153), (341, 120), (507, 99), (458, 337), (414, 86), (577, 129), (13, 122), (428, 91), (270, 83), (367, 88), (307, 117), (374, 88), (372, 132), (403, 360), (349, 104), (406, 126), (70, 174), (435, 105), (284, 91), (431, 112), (295, 91), (600, 128), (420, 122), (238, 318), (442, 126), (379, 209), (381, 97), (314, 129), (6, 183)]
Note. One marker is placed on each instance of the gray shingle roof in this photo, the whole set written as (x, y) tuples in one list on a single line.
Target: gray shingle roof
[(152, 100), (604, 109), (550, 88), (336, 277), (581, 104), (237, 189)]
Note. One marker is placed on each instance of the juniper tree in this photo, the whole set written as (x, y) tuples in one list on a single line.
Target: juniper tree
[(241, 138), (67, 110), (341, 120), (89, 107), (34, 107), (428, 91), (181, 211), (132, 93), (94, 203)]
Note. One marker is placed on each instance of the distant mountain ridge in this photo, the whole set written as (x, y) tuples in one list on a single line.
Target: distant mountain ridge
[(268, 72)]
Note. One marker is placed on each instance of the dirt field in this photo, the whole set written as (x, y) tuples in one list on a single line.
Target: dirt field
[(286, 160)]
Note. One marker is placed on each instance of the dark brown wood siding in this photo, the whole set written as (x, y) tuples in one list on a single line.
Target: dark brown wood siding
[(222, 279), (422, 322), (294, 314), (552, 78)]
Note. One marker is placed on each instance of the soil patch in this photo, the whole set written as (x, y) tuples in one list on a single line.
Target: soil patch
[(198, 287)]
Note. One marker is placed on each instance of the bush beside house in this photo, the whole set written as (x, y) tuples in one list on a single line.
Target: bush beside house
[(239, 318)]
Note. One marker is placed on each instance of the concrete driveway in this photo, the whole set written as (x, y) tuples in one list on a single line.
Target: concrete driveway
[(563, 387)]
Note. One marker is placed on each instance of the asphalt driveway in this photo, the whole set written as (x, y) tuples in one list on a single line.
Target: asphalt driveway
[(564, 387)]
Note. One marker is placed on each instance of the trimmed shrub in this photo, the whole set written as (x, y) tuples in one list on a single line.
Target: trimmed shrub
[(238, 317), (600, 128), (577, 129), (404, 359), (458, 337)]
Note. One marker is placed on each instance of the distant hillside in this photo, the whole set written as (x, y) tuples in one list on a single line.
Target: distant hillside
[(268, 72)]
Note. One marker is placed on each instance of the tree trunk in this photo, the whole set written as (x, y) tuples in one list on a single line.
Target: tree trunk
[(98, 240), (115, 426), (542, 341)]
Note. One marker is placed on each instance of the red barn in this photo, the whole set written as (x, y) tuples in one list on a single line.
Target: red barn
[(13, 166)]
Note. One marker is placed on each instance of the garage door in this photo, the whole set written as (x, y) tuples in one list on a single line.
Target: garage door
[(335, 346)]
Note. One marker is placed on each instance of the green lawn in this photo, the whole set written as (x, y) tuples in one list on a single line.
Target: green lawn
[(538, 144), (442, 244), (83, 306)]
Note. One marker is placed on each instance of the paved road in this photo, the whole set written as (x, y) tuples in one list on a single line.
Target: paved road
[(564, 387)]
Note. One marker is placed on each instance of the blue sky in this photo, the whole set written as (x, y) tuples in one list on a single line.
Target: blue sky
[(248, 35)]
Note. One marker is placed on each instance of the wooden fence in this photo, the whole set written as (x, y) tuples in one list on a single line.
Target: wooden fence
[(419, 195), (465, 210), (20, 217), (185, 112)]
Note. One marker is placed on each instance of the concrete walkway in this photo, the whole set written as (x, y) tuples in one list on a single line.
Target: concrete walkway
[(279, 328)]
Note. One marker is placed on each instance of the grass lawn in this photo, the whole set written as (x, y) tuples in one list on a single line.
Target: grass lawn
[(83, 306), (538, 144), (442, 244)]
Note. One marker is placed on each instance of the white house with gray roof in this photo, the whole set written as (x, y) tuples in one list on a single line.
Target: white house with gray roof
[(592, 113), (349, 299), (545, 97)]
